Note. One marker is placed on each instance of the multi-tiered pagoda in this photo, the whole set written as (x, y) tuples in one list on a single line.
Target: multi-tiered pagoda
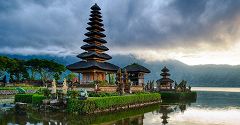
[(165, 83), (93, 65)]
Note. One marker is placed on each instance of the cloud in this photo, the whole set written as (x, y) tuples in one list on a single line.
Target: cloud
[(131, 26)]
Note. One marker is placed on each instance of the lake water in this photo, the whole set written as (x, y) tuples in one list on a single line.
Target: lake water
[(214, 106)]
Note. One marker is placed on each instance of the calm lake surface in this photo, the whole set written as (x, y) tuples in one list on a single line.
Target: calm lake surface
[(214, 106)]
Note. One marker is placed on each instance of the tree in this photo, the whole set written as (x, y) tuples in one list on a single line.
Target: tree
[(71, 76), (33, 66), (4, 64), (49, 69), (18, 70)]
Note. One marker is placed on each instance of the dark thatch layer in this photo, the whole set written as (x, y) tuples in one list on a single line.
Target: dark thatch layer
[(136, 68), (86, 65)]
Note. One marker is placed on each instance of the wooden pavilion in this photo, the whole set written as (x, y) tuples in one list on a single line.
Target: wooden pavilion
[(93, 65), (136, 73)]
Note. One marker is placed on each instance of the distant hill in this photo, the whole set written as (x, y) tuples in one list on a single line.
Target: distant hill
[(199, 75)]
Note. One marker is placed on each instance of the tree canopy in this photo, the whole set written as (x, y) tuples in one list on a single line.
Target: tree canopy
[(21, 70)]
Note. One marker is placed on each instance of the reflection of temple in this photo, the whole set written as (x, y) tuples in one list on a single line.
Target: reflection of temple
[(136, 73), (93, 65), (166, 109), (165, 83)]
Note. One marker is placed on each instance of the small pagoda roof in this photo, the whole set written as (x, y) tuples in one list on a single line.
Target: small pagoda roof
[(92, 23), (165, 80), (89, 54), (95, 15), (92, 33), (92, 39), (165, 69), (85, 65), (95, 12), (94, 46), (165, 74), (95, 19), (91, 28), (136, 68), (95, 7)]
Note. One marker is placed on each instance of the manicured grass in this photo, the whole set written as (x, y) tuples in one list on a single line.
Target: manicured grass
[(102, 103)]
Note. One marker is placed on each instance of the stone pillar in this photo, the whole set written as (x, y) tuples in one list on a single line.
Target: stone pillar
[(79, 78)]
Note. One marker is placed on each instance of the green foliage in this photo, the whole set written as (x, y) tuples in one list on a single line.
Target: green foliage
[(44, 91), (102, 94), (101, 103), (18, 69), (37, 99), (25, 98), (15, 67), (175, 96), (141, 92), (101, 83), (46, 68), (4, 63), (71, 76), (73, 94)]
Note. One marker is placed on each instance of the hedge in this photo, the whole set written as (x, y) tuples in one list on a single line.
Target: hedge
[(101, 103), (175, 96), (102, 94), (37, 99), (25, 98)]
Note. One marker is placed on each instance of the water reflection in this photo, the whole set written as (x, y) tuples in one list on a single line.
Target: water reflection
[(128, 117), (218, 108)]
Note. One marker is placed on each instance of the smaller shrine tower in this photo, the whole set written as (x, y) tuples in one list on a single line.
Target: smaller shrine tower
[(165, 83)]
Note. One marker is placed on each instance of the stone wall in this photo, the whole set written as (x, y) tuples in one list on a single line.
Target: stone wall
[(136, 88), (108, 88), (13, 92)]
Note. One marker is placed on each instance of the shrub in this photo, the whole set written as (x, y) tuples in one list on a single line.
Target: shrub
[(73, 94), (102, 94), (141, 92), (37, 99), (44, 91), (101, 103), (175, 96), (25, 98)]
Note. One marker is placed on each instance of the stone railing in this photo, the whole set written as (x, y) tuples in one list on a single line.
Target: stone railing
[(13, 92), (136, 88)]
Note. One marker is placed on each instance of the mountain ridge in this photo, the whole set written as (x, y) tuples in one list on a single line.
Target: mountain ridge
[(197, 75)]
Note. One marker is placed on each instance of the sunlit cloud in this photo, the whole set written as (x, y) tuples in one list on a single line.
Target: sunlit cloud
[(194, 32)]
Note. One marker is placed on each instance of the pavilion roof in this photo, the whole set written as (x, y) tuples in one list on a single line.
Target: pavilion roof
[(136, 68), (89, 54), (94, 46), (85, 65), (165, 80)]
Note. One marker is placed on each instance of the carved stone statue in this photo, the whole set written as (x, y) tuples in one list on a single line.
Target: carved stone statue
[(83, 94), (65, 87), (54, 87)]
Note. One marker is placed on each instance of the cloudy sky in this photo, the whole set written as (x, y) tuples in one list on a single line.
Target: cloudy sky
[(191, 31)]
